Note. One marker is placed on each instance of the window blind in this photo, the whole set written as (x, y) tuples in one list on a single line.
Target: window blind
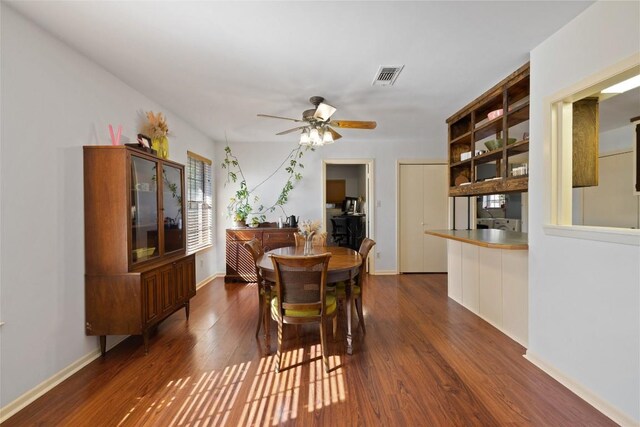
[(199, 203)]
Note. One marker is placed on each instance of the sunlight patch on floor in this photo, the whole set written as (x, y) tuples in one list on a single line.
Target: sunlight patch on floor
[(271, 399), (325, 389)]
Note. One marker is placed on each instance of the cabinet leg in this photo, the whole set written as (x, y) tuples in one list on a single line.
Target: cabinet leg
[(186, 309), (145, 339), (103, 344)]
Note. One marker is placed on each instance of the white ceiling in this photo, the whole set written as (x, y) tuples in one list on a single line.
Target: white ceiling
[(217, 64)]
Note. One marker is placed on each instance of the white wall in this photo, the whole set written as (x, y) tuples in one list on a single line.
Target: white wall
[(584, 313), (618, 139), (54, 101), (259, 160)]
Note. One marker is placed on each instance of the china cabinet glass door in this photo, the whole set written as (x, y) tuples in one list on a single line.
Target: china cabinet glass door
[(172, 208), (144, 209)]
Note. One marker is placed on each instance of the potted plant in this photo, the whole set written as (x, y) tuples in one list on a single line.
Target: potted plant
[(239, 207), (240, 214)]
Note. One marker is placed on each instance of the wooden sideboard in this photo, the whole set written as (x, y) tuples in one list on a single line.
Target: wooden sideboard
[(240, 267)]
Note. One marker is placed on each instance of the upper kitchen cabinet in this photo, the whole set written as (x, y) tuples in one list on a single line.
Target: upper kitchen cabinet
[(489, 140)]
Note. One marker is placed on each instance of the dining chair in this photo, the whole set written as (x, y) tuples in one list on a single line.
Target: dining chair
[(264, 288), (357, 287), (319, 239), (301, 297)]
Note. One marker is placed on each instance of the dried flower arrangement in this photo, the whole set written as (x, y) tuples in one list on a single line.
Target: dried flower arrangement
[(308, 227), (157, 129), (156, 125)]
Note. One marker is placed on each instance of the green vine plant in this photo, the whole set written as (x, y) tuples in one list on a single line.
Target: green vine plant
[(240, 207)]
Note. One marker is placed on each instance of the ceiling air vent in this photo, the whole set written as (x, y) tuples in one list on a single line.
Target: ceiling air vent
[(387, 75)]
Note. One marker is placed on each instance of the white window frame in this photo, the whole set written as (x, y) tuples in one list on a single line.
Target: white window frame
[(199, 204), (558, 156)]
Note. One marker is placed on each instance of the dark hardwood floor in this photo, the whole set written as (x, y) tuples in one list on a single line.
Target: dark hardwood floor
[(425, 360)]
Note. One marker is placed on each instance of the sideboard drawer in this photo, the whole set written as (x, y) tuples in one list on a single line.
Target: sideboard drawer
[(274, 240), (244, 235)]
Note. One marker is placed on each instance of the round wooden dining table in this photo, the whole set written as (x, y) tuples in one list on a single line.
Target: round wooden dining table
[(343, 266)]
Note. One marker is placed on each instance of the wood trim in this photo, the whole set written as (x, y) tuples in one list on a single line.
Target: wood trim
[(495, 90), (585, 132), (497, 186), (637, 166), (198, 157)]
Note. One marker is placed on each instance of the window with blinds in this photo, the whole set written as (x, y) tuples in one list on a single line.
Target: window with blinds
[(199, 203)]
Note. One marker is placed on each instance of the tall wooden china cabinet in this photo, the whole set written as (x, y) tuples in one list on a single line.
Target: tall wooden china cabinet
[(136, 270)]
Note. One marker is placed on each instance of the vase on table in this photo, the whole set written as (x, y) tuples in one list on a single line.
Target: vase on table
[(308, 243)]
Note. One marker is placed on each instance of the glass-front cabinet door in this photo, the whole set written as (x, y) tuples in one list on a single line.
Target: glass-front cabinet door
[(172, 208), (144, 209)]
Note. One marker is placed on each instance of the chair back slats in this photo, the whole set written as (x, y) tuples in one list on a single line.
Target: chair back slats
[(365, 248), (255, 249), (301, 282), (301, 288)]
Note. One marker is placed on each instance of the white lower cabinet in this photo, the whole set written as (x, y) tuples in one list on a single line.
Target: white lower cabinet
[(470, 278), (492, 283), (454, 268), (515, 295)]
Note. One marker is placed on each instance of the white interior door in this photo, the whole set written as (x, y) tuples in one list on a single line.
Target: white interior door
[(435, 208), (423, 206), (411, 218)]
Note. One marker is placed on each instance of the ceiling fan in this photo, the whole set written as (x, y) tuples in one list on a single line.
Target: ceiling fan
[(318, 127)]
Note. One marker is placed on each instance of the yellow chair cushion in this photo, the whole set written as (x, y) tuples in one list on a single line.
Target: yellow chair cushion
[(331, 307), (340, 290)]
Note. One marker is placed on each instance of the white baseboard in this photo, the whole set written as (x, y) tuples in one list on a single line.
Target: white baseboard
[(584, 393), (31, 395), (208, 280), (384, 272)]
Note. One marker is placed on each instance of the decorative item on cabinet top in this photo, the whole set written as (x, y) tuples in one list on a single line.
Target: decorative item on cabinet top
[(157, 129)]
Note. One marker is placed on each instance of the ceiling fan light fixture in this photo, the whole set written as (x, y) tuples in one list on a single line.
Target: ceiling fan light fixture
[(327, 137), (324, 112), (304, 137), (314, 136)]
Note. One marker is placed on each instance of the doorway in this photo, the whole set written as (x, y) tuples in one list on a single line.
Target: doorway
[(347, 194)]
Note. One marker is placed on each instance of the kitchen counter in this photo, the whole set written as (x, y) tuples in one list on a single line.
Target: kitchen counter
[(488, 238)]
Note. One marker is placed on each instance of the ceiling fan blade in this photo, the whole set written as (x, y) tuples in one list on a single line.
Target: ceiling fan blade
[(290, 130), (335, 134), (353, 124), (278, 117), (324, 111)]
